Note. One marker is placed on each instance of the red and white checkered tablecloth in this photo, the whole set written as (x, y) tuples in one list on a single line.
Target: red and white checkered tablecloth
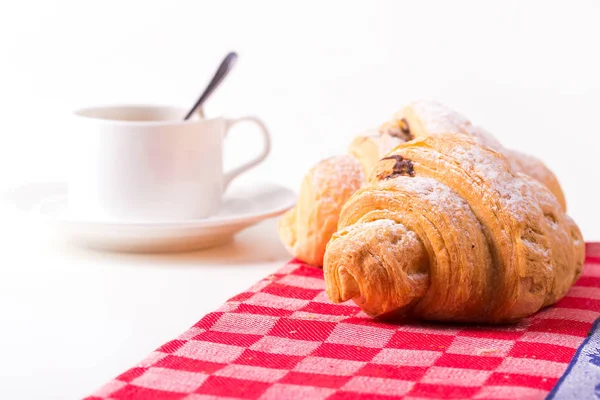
[(283, 339)]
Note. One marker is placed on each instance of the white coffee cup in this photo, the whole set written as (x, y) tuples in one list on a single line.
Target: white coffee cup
[(145, 163)]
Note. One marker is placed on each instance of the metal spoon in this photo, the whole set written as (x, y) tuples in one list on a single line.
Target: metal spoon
[(221, 73)]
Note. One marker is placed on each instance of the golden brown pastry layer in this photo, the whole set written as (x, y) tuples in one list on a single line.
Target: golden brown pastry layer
[(424, 118), (306, 228)]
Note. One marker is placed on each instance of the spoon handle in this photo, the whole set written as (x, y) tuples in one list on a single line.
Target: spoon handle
[(221, 73)]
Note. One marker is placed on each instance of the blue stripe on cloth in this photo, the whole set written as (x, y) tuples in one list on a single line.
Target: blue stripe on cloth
[(581, 380)]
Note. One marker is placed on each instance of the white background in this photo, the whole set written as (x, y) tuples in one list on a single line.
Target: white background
[(318, 73)]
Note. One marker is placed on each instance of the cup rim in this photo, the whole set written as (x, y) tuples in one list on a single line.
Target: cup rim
[(78, 113)]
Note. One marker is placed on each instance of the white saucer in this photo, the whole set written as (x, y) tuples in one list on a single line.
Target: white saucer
[(243, 206)]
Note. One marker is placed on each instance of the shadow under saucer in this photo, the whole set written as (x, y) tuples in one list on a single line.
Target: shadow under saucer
[(259, 244)]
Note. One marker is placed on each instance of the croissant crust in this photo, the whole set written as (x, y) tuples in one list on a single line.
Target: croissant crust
[(446, 230), (426, 118)]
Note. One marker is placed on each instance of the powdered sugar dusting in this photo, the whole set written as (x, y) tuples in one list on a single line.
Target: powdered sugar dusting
[(476, 160), (436, 118), (378, 223), (485, 138), (436, 194), (340, 172), (528, 165)]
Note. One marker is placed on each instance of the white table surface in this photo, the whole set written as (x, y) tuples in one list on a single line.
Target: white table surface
[(71, 319)]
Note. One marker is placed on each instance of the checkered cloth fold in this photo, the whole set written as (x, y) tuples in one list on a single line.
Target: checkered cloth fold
[(283, 339)]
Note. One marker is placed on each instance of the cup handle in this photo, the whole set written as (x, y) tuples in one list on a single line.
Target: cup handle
[(231, 175)]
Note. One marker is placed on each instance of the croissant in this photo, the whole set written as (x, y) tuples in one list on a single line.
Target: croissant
[(423, 118), (447, 231), (306, 228)]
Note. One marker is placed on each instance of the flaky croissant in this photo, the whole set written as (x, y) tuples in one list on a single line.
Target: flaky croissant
[(426, 118), (447, 231), (306, 228)]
